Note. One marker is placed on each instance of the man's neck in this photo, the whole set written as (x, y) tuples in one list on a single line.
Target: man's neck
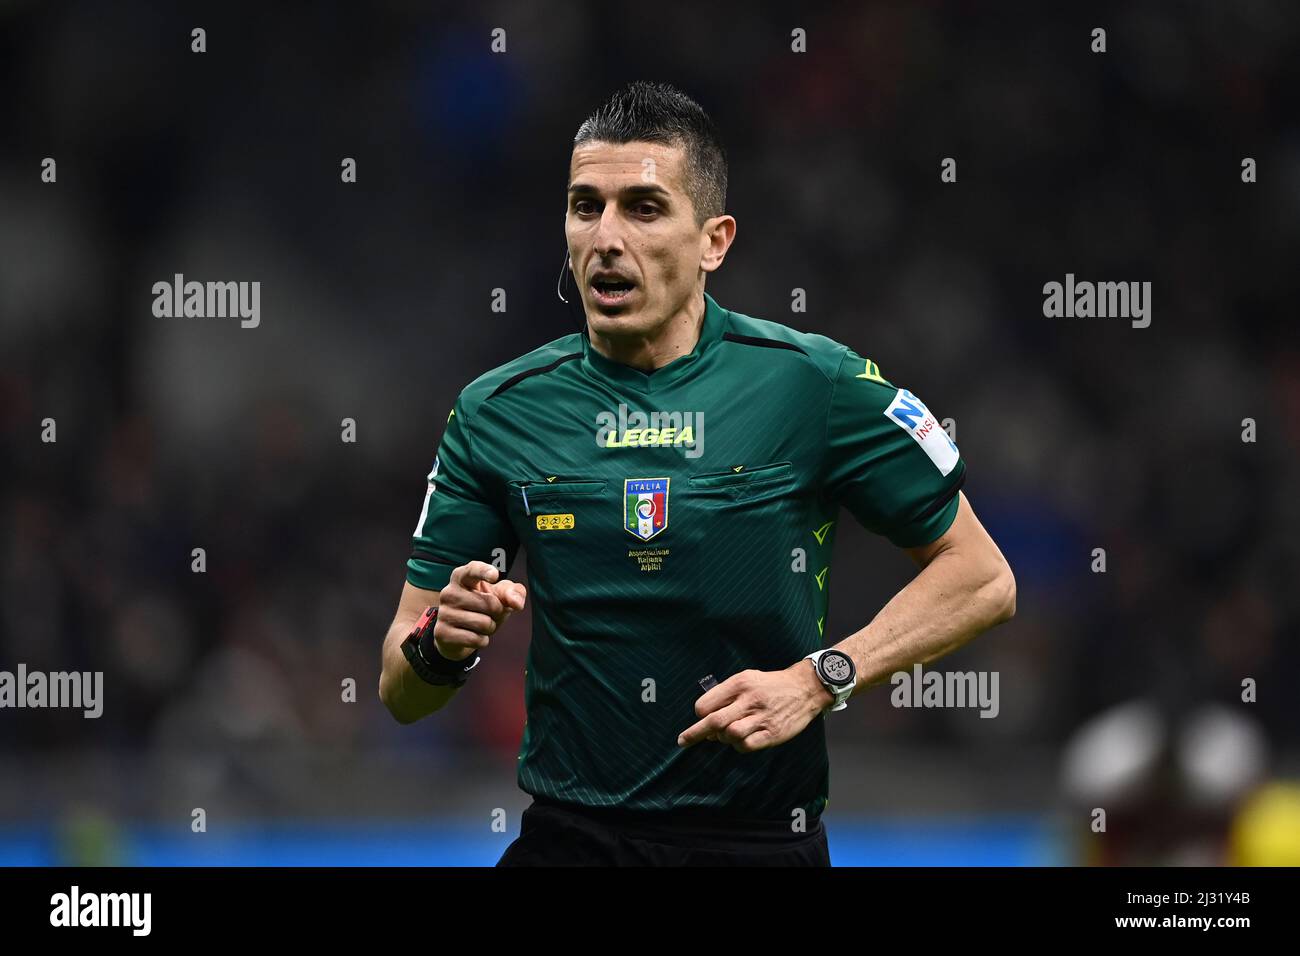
[(672, 340)]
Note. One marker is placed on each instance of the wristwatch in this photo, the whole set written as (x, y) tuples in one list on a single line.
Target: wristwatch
[(836, 672), (421, 653)]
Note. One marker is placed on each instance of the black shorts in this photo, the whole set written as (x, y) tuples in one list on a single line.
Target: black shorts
[(557, 834)]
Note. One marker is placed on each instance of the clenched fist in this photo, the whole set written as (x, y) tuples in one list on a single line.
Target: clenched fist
[(471, 608)]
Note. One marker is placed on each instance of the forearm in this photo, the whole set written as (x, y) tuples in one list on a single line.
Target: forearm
[(407, 697), (952, 600)]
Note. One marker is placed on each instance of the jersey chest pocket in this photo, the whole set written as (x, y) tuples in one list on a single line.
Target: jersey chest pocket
[(553, 505), (745, 482)]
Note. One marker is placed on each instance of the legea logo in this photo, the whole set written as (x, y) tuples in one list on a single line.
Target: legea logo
[(624, 429)]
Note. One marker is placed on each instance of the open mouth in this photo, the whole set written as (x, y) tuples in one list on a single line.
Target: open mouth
[(611, 291)]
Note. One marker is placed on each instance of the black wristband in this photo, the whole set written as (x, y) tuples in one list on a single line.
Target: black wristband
[(421, 652), (433, 657)]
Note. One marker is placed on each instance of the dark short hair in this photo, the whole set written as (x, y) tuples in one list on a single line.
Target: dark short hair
[(660, 113)]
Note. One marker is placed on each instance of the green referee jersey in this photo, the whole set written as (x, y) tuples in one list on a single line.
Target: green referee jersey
[(678, 524)]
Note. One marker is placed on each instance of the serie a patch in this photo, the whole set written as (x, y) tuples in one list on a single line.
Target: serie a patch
[(910, 414)]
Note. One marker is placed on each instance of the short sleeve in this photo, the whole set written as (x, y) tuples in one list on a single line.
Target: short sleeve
[(460, 521), (889, 461)]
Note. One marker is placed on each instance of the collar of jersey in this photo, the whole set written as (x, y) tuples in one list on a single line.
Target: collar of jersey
[(715, 320)]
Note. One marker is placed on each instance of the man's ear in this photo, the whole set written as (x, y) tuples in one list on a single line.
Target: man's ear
[(719, 233)]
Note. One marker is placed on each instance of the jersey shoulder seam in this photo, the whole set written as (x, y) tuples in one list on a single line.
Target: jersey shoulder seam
[(473, 395), (822, 352), (539, 360)]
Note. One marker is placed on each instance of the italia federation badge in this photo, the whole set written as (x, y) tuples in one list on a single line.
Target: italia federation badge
[(645, 510)]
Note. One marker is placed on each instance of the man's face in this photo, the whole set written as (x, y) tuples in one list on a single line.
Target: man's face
[(633, 240)]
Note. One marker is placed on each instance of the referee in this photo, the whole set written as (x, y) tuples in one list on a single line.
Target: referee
[(675, 473)]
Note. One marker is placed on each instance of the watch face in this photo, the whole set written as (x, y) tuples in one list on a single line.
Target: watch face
[(837, 667)]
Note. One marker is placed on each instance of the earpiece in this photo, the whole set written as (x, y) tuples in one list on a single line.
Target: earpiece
[(559, 283)]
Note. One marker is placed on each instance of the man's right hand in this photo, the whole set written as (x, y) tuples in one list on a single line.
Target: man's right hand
[(471, 608)]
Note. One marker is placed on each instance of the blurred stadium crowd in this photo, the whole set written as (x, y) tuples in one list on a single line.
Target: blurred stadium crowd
[(177, 434)]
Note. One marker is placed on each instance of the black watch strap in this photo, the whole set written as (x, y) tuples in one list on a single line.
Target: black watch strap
[(421, 652)]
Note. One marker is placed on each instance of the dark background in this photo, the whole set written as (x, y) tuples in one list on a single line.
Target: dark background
[(222, 689)]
